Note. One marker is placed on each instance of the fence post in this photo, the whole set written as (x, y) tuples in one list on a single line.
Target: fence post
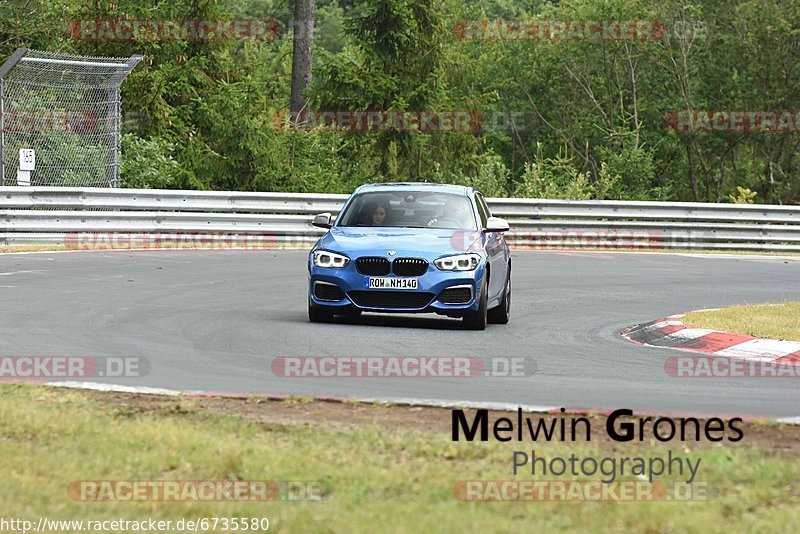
[(114, 117), (4, 68)]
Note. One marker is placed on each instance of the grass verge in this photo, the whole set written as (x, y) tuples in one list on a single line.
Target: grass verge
[(11, 249), (381, 477), (771, 321)]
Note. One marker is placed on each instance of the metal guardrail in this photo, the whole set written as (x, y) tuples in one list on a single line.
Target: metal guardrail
[(102, 217)]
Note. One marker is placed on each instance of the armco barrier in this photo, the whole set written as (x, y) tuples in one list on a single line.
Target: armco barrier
[(51, 215)]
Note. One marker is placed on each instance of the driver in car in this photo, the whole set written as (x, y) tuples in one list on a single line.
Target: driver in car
[(455, 213)]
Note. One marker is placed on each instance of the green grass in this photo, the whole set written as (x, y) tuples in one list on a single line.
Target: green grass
[(772, 321), (10, 249), (379, 480)]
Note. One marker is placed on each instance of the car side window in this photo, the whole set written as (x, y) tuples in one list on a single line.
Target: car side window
[(483, 209)]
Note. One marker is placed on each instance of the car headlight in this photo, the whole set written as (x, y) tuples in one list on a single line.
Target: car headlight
[(462, 262), (323, 258)]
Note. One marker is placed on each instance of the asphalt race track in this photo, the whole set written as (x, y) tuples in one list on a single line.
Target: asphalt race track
[(214, 321)]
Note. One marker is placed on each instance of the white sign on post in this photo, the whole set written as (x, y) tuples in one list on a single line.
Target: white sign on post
[(27, 162), (27, 159)]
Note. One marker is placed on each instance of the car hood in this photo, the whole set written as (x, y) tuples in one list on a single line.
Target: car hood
[(427, 243)]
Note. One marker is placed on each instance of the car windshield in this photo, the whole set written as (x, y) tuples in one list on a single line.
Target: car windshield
[(410, 209)]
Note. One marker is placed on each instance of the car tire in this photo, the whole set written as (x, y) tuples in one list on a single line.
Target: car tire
[(502, 313), (477, 320), (317, 315)]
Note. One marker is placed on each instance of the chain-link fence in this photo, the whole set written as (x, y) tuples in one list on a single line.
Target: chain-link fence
[(68, 110)]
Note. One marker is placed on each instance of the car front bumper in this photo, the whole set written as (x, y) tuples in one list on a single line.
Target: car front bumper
[(356, 294)]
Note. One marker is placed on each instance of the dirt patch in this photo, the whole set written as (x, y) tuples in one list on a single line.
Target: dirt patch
[(769, 437)]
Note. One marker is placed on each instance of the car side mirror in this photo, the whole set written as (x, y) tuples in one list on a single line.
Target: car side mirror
[(496, 224), (323, 220)]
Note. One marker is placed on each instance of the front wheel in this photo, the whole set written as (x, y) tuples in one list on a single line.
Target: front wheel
[(477, 320), (318, 315), (502, 313)]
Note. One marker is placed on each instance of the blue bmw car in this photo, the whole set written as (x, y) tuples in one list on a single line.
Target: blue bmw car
[(412, 248)]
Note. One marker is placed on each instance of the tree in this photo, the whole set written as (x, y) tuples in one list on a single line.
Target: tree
[(301, 51)]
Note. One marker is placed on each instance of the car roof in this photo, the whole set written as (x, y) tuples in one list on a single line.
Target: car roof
[(415, 186)]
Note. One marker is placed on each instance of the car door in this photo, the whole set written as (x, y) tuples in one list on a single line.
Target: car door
[(496, 249)]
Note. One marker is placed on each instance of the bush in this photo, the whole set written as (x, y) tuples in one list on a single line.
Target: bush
[(149, 164), (743, 196), (553, 178)]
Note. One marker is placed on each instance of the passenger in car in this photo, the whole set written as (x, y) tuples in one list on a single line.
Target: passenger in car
[(380, 214), (375, 214)]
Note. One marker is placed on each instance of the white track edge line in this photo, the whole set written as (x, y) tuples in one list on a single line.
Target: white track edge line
[(435, 403)]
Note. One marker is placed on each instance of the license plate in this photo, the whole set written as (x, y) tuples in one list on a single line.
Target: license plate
[(392, 283)]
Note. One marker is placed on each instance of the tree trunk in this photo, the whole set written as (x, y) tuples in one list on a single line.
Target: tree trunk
[(692, 175), (301, 52)]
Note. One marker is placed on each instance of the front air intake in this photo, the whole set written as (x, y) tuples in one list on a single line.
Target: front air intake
[(456, 295), (329, 292)]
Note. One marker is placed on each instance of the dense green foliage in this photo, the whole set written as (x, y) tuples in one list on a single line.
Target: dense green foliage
[(201, 114)]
